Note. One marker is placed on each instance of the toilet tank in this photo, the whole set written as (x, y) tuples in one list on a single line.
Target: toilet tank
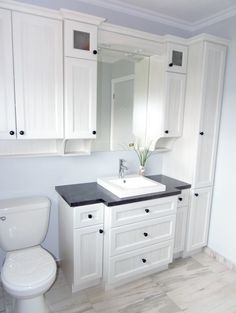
[(23, 222)]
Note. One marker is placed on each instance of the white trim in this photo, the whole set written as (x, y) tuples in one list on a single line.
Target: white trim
[(81, 17), (210, 38), (133, 10), (31, 9), (147, 14), (215, 18)]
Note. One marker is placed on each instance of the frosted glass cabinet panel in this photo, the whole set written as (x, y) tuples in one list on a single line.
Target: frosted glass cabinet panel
[(176, 58), (80, 40), (38, 76), (7, 105)]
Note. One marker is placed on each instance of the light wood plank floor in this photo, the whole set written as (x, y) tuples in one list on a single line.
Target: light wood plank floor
[(195, 285)]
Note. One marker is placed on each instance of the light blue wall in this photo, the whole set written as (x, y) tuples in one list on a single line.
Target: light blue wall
[(39, 176)]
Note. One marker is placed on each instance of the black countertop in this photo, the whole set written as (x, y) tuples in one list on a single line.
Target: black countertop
[(90, 193)]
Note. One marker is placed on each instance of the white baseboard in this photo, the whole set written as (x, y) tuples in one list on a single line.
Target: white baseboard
[(220, 258)]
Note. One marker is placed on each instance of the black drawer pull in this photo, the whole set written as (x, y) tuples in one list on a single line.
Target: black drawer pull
[(95, 52), (166, 131), (94, 132), (101, 231), (180, 199), (21, 132), (147, 210), (11, 132), (144, 260), (201, 133), (90, 216), (171, 64), (145, 234), (196, 194)]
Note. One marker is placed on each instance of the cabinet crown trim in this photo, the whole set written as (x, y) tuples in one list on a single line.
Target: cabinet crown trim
[(81, 17)]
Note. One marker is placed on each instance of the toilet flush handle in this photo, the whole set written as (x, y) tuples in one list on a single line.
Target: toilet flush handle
[(3, 218)]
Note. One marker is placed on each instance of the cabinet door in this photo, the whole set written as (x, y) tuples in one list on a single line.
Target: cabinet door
[(180, 228), (88, 252), (176, 58), (80, 98), (199, 216), (7, 105), (80, 40), (210, 114), (38, 76), (174, 104)]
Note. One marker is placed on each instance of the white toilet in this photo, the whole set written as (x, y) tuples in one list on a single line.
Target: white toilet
[(29, 270)]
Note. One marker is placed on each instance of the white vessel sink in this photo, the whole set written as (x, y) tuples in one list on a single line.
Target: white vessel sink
[(132, 185)]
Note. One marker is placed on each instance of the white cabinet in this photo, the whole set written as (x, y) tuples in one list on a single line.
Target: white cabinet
[(193, 157), (166, 100), (88, 254), (80, 98), (174, 104), (181, 222), (177, 56), (81, 244), (38, 68), (7, 102), (80, 40), (139, 239), (200, 208)]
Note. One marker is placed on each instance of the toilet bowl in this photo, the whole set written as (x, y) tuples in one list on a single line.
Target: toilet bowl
[(29, 270)]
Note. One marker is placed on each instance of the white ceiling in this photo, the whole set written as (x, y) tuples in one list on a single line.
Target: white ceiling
[(185, 14)]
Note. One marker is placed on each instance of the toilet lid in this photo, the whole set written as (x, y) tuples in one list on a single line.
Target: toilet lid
[(28, 267)]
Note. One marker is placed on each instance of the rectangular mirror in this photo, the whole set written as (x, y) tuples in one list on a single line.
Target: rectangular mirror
[(123, 79)]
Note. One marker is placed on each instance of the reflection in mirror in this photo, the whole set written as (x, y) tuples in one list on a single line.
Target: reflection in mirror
[(122, 99)]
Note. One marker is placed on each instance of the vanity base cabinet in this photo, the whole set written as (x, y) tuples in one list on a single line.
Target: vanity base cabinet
[(139, 239), (199, 217), (81, 244)]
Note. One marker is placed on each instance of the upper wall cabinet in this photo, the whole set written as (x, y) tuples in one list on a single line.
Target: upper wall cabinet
[(38, 65), (80, 40), (7, 105), (177, 56), (80, 98)]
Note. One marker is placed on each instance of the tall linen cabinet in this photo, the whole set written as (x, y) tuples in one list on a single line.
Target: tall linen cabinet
[(193, 156)]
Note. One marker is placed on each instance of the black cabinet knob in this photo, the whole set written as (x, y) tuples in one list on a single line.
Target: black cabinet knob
[(144, 260), (166, 131), (95, 52), (196, 194), (201, 133), (90, 216), (21, 132), (101, 231), (171, 64), (180, 199), (11, 132), (147, 210), (145, 234), (94, 132)]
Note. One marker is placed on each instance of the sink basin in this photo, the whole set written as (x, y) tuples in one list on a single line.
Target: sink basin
[(132, 185)]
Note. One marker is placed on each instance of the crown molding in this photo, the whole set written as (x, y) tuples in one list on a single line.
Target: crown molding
[(149, 15), (82, 17), (215, 18), (133, 10)]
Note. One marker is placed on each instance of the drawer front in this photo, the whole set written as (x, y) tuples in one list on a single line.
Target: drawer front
[(131, 264), (140, 235), (141, 211), (88, 215), (183, 198)]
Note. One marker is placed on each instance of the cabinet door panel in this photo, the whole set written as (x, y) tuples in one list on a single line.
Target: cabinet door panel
[(80, 98), (7, 105), (199, 217), (176, 58), (88, 247), (180, 228), (210, 114), (174, 104), (80, 40), (38, 76)]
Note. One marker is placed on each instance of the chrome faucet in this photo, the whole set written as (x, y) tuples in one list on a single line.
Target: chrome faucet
[(122, 168)]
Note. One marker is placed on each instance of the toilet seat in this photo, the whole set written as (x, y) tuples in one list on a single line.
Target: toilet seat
[(28, 272)]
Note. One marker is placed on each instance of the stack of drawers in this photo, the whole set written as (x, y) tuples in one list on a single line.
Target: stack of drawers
[(139, 239)]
